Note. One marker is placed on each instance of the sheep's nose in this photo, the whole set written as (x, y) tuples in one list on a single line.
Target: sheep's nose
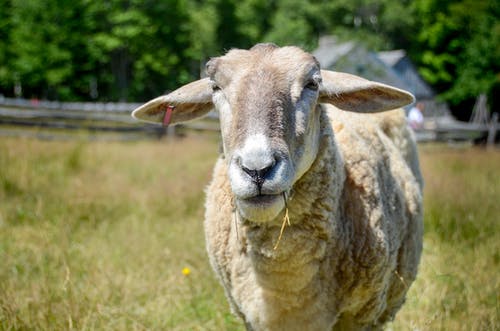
[(258, 176), (257, 165), (256, 159)]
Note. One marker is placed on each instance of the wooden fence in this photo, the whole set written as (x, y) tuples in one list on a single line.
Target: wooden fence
[(446, 128), (52, 120)]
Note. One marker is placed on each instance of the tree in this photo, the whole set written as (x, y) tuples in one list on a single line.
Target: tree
[(113, 50), (142, 44), (135, 50), (41, 55), (6, 78), (460, 43)]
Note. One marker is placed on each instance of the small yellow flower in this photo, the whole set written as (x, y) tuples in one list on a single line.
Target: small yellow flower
[(186, 271)]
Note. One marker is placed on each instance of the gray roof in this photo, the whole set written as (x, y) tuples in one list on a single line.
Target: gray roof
[(330, 50), (391, 58), (402, 65), (390, 67)]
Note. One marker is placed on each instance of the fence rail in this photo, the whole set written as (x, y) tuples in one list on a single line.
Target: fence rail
[(62, 118), (115, 117), (446, 128), (113, 107)]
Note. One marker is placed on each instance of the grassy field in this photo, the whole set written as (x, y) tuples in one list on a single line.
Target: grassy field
[(108, 236)]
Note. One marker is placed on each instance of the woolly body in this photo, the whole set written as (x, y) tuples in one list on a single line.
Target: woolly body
[(349, 180), (355, 238)]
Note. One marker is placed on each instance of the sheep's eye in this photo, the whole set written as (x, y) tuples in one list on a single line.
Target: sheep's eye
[(312, 85)]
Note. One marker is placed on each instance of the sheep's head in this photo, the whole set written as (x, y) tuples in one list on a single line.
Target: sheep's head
[(268, 103)]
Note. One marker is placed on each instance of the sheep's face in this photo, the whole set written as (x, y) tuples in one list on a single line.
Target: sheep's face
[(269, 123), (267, 99)]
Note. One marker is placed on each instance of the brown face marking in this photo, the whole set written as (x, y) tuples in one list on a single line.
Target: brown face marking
[(263, 104), (269, 123), (260, 93)]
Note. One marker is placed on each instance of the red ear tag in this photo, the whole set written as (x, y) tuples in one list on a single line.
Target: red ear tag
[(168, 114)]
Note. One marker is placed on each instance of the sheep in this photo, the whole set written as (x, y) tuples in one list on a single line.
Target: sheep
[(314, 214)]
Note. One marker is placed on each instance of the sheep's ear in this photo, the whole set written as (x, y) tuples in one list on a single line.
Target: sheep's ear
[(353, 93), (190, 101)]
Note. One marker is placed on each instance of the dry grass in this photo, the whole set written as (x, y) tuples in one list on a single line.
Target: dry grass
[(97, 236), (458, 287)]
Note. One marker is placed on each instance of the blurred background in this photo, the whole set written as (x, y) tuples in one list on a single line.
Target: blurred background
[(101, 226), (132, 51)]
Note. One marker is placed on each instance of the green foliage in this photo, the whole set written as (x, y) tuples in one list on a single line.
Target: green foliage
[(135, 50), (292, 24), (93, 50), (40, 55), (461, 47), (5, 28)]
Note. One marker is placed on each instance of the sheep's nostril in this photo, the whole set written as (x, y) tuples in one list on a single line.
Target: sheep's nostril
[(258, 176), (263, 172)]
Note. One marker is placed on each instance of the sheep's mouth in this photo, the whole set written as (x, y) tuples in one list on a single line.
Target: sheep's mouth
[(263, 199), (261, 208)]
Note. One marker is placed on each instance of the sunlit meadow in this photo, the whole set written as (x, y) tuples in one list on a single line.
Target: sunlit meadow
[(108, 236)]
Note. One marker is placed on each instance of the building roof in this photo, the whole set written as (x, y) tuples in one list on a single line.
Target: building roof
[(389, 67), (330, 50), (391, 58), (401, 63)]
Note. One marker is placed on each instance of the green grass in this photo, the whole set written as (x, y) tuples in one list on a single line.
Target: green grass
[(95, 235), (458, 287)]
